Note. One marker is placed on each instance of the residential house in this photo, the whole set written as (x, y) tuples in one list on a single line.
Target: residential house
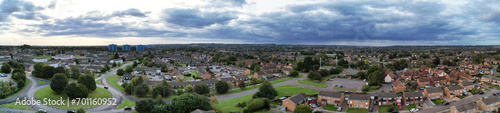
[(413, 97), (387, 98), (331, 98), (243, 78), (489, 104), (453, 91), (467, 85), (229, 80), (465, 108), (424, 82), (438, 81), (359, 101), (293, 101), (178, 85), (433, 93), (397, 86)]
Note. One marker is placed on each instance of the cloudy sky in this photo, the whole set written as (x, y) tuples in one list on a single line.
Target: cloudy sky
[(318, 22)]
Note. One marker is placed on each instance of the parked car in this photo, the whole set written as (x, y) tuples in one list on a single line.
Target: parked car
[(312, 105), (481, 92), (105, 87), (370, 109), (127, 108), (318, 104), (71, 111), (414, 110), (400, 108), (490, 87), (339, 109), (375, 102), (446, 103)]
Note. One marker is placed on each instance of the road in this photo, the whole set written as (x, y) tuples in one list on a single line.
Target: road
[(441, 108), (30, 90)]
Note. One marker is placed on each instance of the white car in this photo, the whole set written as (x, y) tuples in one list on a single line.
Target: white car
[(414, 110)]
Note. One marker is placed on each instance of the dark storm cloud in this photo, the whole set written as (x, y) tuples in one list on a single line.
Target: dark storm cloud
[(195, 18), (131, 12)]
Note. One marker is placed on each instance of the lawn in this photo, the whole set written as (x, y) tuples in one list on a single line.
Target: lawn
[(292, 90), (13, 105), (98, 81), (307, 81), (384, 109), (49, 94), (357, 110), (438, 101), (230, 105), (300, 82), (194, 74), (170, 97), (126, 103), (186, 78), (410, 107), (338, 88), (281, 80), (41, 82), (330, 107), (113, 80), (287, 86)]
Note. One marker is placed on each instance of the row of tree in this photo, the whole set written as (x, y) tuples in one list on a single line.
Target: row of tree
[(81, 89)]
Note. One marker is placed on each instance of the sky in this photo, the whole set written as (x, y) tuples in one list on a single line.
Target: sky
[(306, 22)]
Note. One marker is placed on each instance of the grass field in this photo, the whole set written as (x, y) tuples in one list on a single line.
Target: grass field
[(286, 86), (40, 82), (300, 82), (49, 94), (194, 74), (330, 107), (186, 78), (281, 80), (355, 89), (357, 110), (98, 81), (292, 90), (237, 90), (230, 105), (113, 80), (307, 81), (126, 103), (410, 107), (13, 105)]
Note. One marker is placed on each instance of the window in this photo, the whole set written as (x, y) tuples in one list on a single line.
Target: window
[(360, 105), (355, 105)]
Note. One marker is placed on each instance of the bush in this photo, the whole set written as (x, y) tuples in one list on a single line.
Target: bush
[(314, 76), (240, 104), (221, 87), (294, 74)]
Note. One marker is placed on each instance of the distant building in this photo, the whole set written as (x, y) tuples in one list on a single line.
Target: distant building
[(150, 46), (140, 48), (113, 47), (126, 47)]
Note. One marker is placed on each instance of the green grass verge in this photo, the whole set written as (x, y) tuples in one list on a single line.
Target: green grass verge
[(285, 86), (40, 82), (330, 107), (289, 91), (13, 105), (410, 107), (281, 80), (237, 90), (47, 93), (307, 81), (126, 103), (98, 81), (230, 105), (357, 110), (337, 88), (113, 80), (300, 82), (438, 101), (186, 78)]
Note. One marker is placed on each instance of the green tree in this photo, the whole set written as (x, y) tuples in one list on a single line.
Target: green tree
[(75, 72), (256, 68), (74, 90), (47, 71), (21, 83), (129, 69), (266, 90), (375, 75), (144, 105), (294, 74), (128, 88), (6, 68), (77, 61), (120, 72), (241, 64), (161, 90), (324, 72), (254, 105), (167, 108), (137, 81), (114, 64), (221, 87), (302, 109), (242, 85), (80, 110), (38, 69), (314, 76), (201, 89), (189, 102), (142, 90), (88, 82), (60, 69), (58, 82), (189, 89), (116, 56), (180, 91)]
